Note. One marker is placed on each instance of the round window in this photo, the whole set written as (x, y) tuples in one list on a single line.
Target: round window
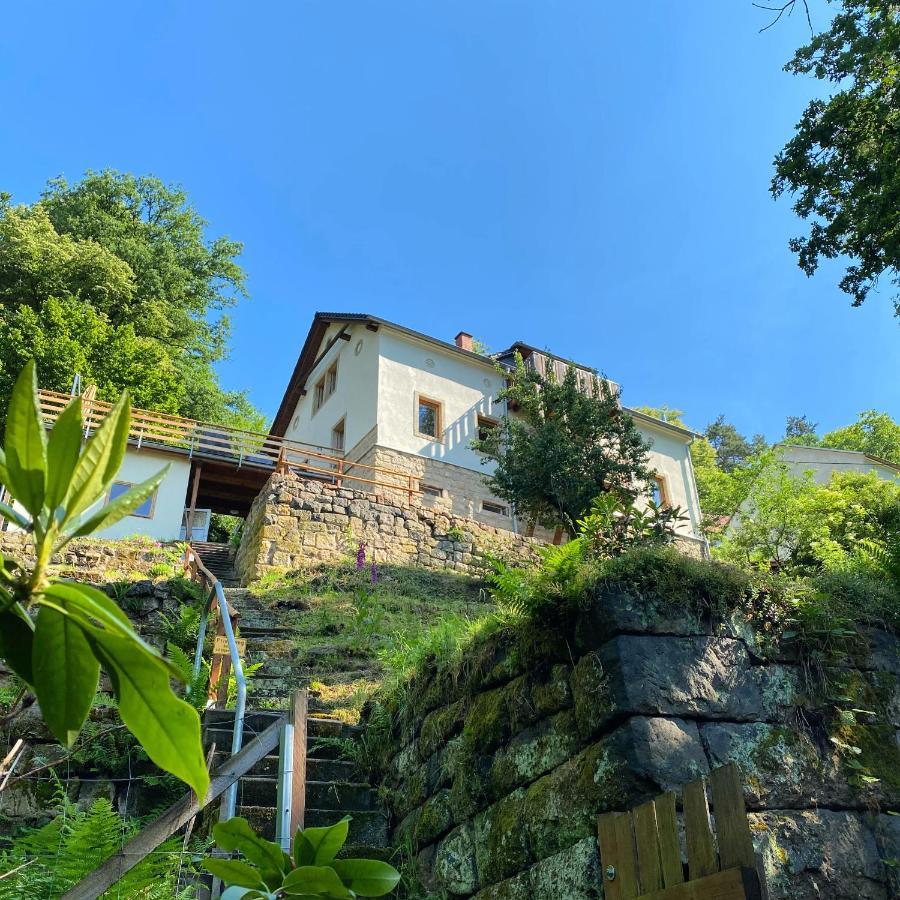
[(358, 348), (429, 362)]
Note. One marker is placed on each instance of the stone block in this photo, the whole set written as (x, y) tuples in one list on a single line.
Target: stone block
[(780, 766), (454, 863), (502, 845), (695, 676), (572, 874), (533, 753), (814, 854)]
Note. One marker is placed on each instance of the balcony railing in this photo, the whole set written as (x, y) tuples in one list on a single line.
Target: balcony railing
[(236, 446)]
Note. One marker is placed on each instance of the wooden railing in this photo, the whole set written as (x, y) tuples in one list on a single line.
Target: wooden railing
[(236, 445), (640, 852)]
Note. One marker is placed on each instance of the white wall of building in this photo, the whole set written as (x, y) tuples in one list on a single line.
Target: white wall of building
[(670, 457), (465, 388), (824, 462), (355, 397), (168, 508)]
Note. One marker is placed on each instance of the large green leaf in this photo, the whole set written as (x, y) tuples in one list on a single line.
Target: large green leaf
[(242, 893), (65, 673), (91, 476), (63, 449), (234, 872), (319, 846), (236, 834), (167, 728), (16, 638), (122, 506), (314, 880), (367, 877), (26, 443), (4, 474)]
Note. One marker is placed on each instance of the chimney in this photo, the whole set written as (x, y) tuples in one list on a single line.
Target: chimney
[(464, 341)]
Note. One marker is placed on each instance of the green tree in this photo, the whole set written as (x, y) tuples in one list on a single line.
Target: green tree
[(799, 430), (841, 164), (114, 278), (562, 447), (795, 523), (731, 447), (875, 433)]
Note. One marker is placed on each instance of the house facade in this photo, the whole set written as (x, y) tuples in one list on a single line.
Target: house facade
[(389, 397), (824, 462)]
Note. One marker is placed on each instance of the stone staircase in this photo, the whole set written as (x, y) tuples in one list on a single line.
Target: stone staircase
[(333, 786), (219, 559)]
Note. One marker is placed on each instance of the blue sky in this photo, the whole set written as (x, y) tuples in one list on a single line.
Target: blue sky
[(586, 176)]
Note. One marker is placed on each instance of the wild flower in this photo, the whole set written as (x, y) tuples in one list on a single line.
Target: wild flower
[(361, 557)]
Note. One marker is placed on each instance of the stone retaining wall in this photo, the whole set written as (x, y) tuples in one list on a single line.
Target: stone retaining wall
[(295, 521), (495, 774)]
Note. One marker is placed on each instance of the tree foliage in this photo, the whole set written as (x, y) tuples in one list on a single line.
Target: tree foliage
[(841, 164), (114, 278), (731, 447), (562, 447)]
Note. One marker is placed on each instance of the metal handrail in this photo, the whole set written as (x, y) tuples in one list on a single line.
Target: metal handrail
[(192, 560)]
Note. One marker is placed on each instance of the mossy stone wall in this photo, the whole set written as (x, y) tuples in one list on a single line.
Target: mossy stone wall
[(294, 522), (496, 771)]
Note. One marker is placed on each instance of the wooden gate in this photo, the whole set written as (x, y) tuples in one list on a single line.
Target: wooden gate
[(640, 853)]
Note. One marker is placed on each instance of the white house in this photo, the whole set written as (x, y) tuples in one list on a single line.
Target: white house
[(370, 404), (387, 396), (824, 462)]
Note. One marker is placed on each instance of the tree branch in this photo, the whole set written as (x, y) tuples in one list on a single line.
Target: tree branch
[(788, 8)]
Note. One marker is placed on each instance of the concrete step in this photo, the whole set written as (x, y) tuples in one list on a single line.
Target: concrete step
[(343, 797), (366, 828), (317, 768)]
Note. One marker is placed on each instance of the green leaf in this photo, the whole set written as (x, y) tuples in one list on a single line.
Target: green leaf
[(241, 893), (63, 449), (65, 673), (367, 877), (16, 638), (233, 872), (13, 516), (167, 728), (236, 834), (122, 506), (314, 880), (319, 846), (91, 476), (26, 443), (4, 473)]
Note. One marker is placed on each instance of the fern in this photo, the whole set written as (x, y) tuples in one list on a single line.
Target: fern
[(45, 862), (883, 557)]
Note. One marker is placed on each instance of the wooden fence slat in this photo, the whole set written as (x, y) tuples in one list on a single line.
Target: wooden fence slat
[(732, 884), (701, 850), (626, 871), (669, 848), (647, 843), (609, 855), (299, 715), (732, 828)]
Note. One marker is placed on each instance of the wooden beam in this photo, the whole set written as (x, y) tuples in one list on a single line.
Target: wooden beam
[(732, 884), (299, 714), (371, 326), (189, 522), (175, 817)]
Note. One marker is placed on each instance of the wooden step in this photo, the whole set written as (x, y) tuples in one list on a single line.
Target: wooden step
[(342, 797)]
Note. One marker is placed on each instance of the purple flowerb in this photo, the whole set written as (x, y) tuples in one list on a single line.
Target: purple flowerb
[(374, 573), (361, 557)]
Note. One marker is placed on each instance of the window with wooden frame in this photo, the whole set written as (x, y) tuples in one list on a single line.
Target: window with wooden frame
[(431, 490), (325, 387), (485, 425), (144, 511), (498, 509), (428, 418), (337, 437), (659, 490)]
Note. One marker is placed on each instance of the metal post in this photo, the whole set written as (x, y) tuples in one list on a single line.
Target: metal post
[(285, 787)]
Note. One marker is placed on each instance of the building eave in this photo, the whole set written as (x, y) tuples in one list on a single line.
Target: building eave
[(668, 427)]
